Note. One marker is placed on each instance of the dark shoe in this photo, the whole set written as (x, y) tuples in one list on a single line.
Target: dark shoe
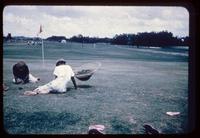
[(95, 131), (150, 130)]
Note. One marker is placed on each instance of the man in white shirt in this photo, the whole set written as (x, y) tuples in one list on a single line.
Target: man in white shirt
[(63, 74)]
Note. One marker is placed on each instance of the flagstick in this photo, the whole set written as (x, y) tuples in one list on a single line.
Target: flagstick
[(40, 31), (42, 53)]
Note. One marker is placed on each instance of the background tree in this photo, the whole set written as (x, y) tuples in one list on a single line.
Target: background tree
[(8, 37)]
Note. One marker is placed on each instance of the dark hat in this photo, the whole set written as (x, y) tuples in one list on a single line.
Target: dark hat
[(60, 62)]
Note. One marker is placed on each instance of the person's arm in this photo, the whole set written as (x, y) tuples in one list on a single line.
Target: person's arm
[(16, 80), (55, 72), (74, 82)]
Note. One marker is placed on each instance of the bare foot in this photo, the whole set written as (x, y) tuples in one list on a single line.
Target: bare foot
[(30, 93)]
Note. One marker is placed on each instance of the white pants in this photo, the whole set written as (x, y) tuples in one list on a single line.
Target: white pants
[(57, 85)]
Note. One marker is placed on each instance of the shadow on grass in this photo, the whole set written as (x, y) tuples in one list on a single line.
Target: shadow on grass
[(85, 86)]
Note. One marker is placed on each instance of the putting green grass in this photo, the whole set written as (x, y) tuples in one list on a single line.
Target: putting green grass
[(133, 87)]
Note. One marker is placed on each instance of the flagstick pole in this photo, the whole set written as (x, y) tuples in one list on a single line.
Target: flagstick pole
[(42, 53), (40, 31)]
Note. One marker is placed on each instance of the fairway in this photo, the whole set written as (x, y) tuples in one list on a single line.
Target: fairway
[(133, 87)]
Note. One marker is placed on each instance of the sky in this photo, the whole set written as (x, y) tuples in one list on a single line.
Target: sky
[(94, 21)]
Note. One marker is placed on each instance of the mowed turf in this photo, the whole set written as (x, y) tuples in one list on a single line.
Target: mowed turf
[(133, 87)]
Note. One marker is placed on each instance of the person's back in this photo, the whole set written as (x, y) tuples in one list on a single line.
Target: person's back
[(21, 71), (22, 74), (63, 71), (63, 75)]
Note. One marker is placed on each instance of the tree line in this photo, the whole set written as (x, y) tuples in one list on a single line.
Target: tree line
[(161, 39)]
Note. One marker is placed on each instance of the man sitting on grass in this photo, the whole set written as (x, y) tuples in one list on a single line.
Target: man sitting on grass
[(63, 74)]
